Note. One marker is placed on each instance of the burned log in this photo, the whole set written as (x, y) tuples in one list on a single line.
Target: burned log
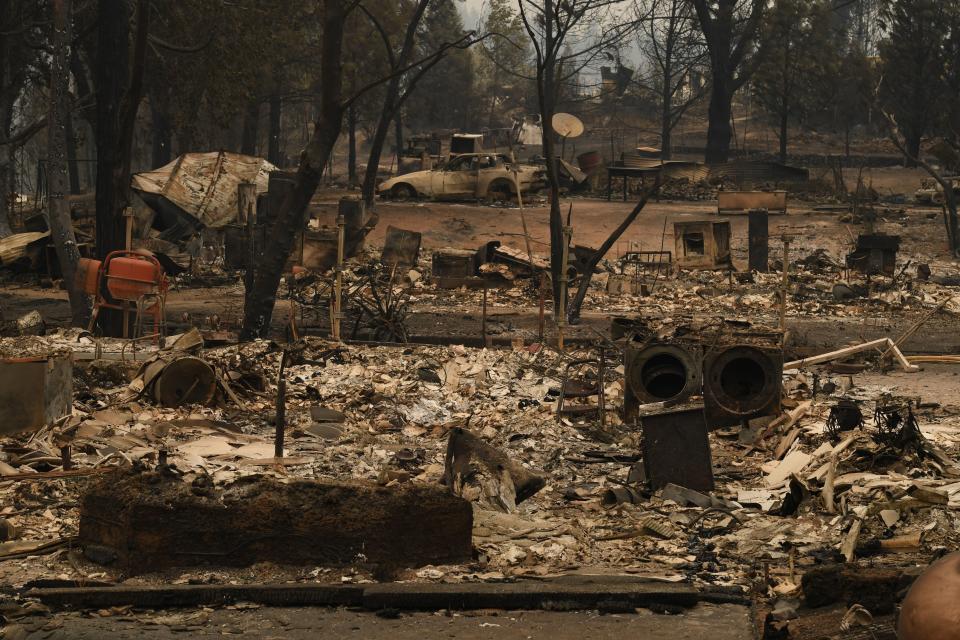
[(148, 521)]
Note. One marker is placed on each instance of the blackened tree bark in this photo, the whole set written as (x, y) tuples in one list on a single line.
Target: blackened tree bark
[(72, 168), (352, 145), (58, 118), (546, 52), (162, 134), (398, 123), (251, 128), (119, 85), (259, 303), (729, 28), (276, 113)]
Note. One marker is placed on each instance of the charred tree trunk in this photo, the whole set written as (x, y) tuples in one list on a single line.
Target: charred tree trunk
[(119, 82), (666, 128), (379, 138), (352, 146), (276, 111), (6, 188), (784, 123), (6, 164), (729, 40), (292, 214), (719, 130), (398, 123), (251, 129), (546, 96), (72, 168), (913, 139), (162, 139), (58, 118)]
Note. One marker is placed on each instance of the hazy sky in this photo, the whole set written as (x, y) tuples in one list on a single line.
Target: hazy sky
[(471, 11)]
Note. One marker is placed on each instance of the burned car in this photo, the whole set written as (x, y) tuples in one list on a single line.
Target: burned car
[(466, 176)]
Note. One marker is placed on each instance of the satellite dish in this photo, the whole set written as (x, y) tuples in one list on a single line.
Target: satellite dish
[(567, 125)]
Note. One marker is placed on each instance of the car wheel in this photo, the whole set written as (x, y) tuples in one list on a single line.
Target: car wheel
[(403, 192), (500, 191)]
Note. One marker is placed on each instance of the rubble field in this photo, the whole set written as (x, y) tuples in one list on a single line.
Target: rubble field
[(857, 468)]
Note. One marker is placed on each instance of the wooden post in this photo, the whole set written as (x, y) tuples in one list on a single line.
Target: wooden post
[(128, 228), (483, 321), (338, 283), (523, 218), (759, 240), (786, 281), (542, 318), (281, 409), (561, 313)]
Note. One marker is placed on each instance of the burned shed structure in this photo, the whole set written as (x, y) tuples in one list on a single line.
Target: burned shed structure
[(198, 191)]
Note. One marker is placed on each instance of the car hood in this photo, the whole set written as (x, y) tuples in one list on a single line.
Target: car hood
[(416, 176)]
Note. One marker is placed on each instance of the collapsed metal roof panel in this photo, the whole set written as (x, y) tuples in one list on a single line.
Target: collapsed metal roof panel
[(204, 185)]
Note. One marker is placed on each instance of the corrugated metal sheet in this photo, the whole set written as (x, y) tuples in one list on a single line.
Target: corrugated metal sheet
[(14, 247), (204, 185)]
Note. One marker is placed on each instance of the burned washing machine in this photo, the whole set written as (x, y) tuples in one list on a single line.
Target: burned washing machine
[(742, 378), (659, 368), (660, 372)]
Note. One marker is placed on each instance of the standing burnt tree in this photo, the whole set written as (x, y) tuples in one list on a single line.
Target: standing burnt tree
[(566, 36), (20, 24), (121, 47), (729, 28), (913, 62), (292, 216), (313, 161), (58, 183), (675, 50), (119, 85), (417, 56)]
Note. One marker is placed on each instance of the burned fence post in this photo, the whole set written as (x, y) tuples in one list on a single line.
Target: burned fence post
[(281, 409), (759, 240), (337, 315)]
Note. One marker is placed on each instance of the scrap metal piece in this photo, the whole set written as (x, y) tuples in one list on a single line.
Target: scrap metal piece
[(199, 190), (34, 392), (897, 426), (844, 415), (876, 254), (676, 448), (400, 248), (187, 380)]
